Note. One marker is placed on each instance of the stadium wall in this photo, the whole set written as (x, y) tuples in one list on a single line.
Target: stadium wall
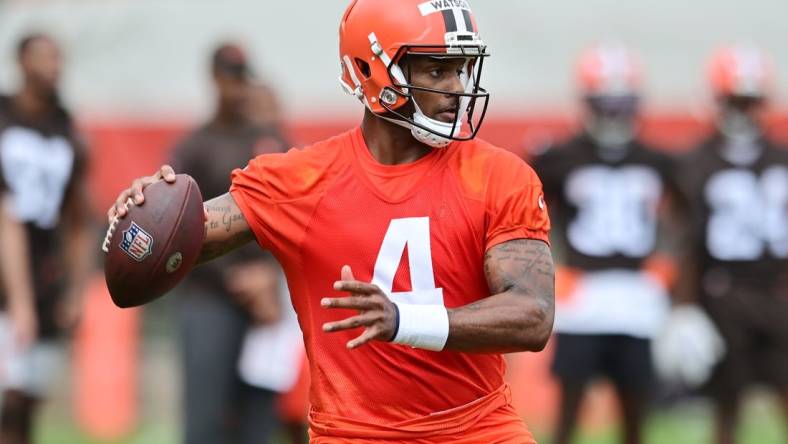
[(147, 59)]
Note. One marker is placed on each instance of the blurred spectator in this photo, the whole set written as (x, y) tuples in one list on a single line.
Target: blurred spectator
[(272, 355), (222, 299), (264, 108), (606, 190), (738, 181), (45, 258)]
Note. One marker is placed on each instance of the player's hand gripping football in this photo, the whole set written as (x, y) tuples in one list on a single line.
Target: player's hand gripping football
[(376, 313), (133, 195)]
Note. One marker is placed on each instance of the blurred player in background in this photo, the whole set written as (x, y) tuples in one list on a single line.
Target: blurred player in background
[(415, 255), (273, 355), (223, 299), (272, 358), (46, 240), (606, 190), (264, 107), (739, 182)]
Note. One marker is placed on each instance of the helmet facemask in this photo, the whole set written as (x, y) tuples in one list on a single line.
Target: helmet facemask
[(739, 116), (612, 120), (472, 101), (739, 123)]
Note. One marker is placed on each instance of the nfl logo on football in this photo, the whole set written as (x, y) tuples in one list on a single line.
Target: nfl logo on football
[(137, 243)]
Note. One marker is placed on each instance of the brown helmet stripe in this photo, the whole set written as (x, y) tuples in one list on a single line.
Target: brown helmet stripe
[(466, 15), (449, 20)]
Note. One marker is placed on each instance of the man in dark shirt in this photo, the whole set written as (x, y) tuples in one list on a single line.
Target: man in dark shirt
[(605, 189), (223, 298), (738, 181), (45, 236)]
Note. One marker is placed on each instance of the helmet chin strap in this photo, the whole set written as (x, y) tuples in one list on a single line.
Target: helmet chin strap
[(439, 134)]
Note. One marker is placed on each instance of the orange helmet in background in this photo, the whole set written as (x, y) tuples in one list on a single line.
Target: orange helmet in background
[(375, 35), (741, 71), (608, 70), (608, 77)]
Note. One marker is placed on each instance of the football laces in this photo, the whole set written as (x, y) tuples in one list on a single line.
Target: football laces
[(112, 227)]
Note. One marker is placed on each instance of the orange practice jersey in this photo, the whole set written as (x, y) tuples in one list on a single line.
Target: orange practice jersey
[(420, 232)]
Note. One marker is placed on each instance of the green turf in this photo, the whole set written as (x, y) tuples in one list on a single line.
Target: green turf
[(693, 425), (684, 425), (64, 433)]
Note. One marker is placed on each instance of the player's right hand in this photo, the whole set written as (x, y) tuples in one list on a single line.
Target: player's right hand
[(134, 196)]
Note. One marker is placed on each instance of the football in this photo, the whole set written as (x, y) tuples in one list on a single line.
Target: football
[(156, 244)]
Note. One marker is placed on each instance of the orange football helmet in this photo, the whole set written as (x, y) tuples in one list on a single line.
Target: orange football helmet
[(375, 35), (741, 71), (609, 70), (608, 77)]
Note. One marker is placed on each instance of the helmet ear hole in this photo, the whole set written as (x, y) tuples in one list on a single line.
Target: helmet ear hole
[(364, 68)]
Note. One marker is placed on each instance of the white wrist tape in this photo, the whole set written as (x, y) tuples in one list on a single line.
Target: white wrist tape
[(422, 326)]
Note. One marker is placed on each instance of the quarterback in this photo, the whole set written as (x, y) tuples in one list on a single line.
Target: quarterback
[(416, 254)]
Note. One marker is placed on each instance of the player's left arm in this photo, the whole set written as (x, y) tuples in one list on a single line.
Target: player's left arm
[(518, 316)]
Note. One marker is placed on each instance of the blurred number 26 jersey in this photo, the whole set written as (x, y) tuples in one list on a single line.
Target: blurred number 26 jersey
[(420, 232), (742, 224)]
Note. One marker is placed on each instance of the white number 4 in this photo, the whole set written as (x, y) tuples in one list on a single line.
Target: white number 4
[(413, 233)]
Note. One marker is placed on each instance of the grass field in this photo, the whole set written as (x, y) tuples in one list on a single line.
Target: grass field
[(689, 424)]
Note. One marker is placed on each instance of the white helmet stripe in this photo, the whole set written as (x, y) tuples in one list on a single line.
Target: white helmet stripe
[(749, 62), (459, 19), (377, 49)]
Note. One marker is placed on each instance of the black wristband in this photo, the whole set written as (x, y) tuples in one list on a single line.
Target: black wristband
[(396, 323)]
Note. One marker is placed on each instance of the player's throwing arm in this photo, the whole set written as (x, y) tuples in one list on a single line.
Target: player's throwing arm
[(516, 316)]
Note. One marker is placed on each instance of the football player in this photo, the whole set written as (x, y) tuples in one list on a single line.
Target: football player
[(44, 261), (415, 253), (738, 183), (606, 190)]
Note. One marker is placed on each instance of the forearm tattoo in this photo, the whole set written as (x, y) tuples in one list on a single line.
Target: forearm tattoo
[(226, 228), (521, 265)]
